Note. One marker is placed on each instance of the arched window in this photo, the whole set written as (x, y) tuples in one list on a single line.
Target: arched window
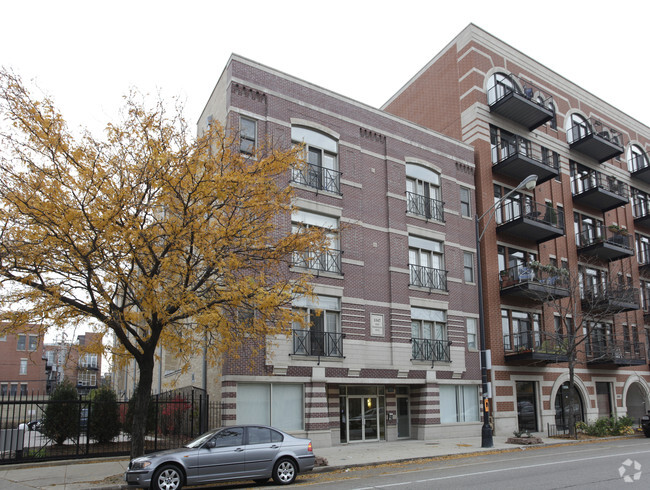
[(577, 127), (423, 193), (321, 154), (500, 85), (636, 158)]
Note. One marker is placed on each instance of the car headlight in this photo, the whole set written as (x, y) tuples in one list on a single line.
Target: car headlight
[(140, 464)]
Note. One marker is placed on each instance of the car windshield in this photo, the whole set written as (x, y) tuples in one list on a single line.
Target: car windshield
[(199, 441)]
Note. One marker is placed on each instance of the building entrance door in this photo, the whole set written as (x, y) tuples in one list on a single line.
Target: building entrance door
[(362, 418), (403, 422)]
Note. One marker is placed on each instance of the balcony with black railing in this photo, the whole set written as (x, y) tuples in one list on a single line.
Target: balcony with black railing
[(534, 221), (520, 101), (609, 299), (615, 353), (317, 177), (640, 167), (535, 347), (599, 191), (428, 277), (593, 138), (605, 243), (424, 206), (431, 350), (517, 158), (317, 343), (538, 283), (321, 261)]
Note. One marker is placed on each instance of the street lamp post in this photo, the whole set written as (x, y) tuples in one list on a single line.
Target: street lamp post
[(486, 431)]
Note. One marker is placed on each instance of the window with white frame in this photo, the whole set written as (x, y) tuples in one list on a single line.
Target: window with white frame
[(328, 260), (465, 202), (426, 263), (429, 334), (468, 266), (459, 403), (88, 361), (637, 159), (472, 343), (278, 404), (22, 342), (87, 379), (320, 333), (321, 156), (33, 342), (577, 127), (247, 135), (423, 192), (23, 367)]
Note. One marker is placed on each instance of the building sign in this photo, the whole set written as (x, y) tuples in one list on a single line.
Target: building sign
[(376, 325)]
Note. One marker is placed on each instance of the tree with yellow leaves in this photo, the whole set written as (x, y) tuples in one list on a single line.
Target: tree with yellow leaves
[(152, 234)]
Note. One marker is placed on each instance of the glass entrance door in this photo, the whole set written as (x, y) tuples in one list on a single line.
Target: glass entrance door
[(362, 419)]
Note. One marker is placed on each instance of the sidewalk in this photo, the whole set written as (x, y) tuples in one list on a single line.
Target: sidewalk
[(106, 473)]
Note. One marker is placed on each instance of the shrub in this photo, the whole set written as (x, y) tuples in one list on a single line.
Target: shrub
[(61, 417), (104, 417), (607, 426)]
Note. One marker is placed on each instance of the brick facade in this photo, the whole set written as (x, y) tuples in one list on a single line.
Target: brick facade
[(374, 286), (450, 95)]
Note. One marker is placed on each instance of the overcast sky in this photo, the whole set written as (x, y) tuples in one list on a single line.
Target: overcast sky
[(87, 54)]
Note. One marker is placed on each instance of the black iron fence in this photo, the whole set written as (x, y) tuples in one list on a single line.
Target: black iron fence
[(30, 432)]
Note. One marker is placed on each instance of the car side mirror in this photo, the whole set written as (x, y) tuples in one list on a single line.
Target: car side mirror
[(210, 444)]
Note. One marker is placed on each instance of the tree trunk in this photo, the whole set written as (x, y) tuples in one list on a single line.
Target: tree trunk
[(142, 398)]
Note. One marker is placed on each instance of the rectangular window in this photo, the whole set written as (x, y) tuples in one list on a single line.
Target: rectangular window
[(23, 366), (327, 260), (465, 202), (247, 135), (468, 266), (33, 342), (22, 342), (279, 405), (321, 333), (459, 403), (4, 389), (471, 334), (23, 389), (89, 361), (3, 338), (429, 335), (426, 263), (14, 389)]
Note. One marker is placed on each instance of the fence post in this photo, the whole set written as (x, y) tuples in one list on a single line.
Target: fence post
[(88, 425), (192, 417), (155, 438)]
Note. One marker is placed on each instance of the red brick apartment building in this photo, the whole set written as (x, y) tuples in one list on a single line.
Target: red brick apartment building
[(22, 363), (392, 348), (74, 362), (592, 161)]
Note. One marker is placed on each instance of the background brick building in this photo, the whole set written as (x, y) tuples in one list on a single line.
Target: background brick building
[(22, 363)]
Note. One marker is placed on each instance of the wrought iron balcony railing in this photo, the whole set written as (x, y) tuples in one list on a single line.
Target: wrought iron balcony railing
[(591, 180), (428, 277), (546, 275), (431, 350), (317, 343), (536, 341), (324, 261), (625, 352), (600, 233), (318, 177), (424, 206)]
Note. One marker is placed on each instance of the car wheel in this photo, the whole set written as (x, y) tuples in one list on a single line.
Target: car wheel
[(261, 481), (285, 471), (167, 477)]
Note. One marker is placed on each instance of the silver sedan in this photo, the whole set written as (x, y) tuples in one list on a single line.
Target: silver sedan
[(248, 452)]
